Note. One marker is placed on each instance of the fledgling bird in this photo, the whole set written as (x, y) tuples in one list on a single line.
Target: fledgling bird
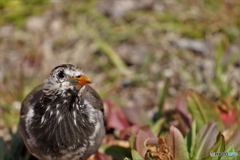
[(62, 119)]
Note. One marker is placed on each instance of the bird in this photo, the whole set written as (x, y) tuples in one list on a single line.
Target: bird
[(63, 118)]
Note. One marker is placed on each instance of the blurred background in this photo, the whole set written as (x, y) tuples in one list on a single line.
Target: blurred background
[(138, 53)]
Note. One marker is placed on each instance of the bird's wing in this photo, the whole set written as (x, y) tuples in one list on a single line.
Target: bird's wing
[(28, 102), (92, 96), (31, 99)]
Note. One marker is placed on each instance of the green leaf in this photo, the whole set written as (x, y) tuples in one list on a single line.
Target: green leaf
[(202, 110), (191, 140), (156, 127), (16, 143), (205, 140), (161, 96), (132, 140), (176, 143), (1, 149), (117, 152), (136, 155), (219, 146), (230, 149)]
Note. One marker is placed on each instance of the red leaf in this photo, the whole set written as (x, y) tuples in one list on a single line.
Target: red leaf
[(229, 117), (176, 143), (136, 115), (144, 136), (115, 116), (181, 106), (151, 136), (140, 142), (129, 131), (101, 156)]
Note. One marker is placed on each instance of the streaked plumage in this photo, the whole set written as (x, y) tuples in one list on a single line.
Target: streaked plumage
[(62, 118)]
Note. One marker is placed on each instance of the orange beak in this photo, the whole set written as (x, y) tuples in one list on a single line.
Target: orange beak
[(82, 80)]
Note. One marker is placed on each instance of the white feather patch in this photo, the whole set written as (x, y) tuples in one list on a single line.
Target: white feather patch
[(91, 112), (59, 118), (42, 119), (74, 116)]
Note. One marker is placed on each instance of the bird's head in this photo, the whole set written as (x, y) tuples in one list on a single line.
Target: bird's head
[(64, 77)]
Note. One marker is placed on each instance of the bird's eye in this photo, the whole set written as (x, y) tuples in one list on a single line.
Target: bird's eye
[(60, 74), (78, 76)]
